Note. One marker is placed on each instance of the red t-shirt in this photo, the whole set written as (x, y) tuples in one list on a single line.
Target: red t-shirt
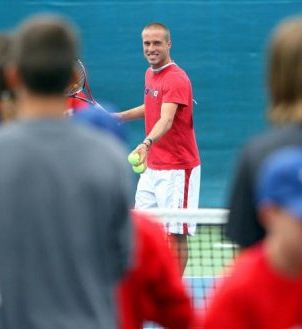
[(255, 296), (76, 104), (153, 289), (177, 149)]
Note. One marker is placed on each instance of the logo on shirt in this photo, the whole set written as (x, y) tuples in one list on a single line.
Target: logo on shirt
[(151, 91)]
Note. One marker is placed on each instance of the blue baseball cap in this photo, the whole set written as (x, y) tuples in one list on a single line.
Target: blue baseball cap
[(101, 120), (279, 181)]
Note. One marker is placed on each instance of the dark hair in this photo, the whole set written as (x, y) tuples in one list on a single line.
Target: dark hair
[(44, 51)]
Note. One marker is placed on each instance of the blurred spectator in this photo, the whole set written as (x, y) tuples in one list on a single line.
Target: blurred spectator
[(153, 289), (285, 88), (65, 236), (264, 289)]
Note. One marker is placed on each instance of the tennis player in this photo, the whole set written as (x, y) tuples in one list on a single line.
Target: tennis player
[(59, 266), (264, 289), (172, 178)]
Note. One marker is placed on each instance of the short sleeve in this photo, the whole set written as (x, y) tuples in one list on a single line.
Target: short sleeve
[(176, 89)]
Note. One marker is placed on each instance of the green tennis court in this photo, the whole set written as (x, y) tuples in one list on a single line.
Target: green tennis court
[(209, 252)]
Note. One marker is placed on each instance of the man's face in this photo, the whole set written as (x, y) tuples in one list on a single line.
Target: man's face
[(292, 234), (287, 231), (156, 47)]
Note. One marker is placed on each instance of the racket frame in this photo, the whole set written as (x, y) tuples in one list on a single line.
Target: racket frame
[(90, 99)]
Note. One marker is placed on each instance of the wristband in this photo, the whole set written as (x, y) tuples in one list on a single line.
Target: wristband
[(148, 142)]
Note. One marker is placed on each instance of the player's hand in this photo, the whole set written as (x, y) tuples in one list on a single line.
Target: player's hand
[(142, 150)]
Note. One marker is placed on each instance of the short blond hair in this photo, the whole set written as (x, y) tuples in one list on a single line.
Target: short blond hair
[(285, 72), (160, 26)]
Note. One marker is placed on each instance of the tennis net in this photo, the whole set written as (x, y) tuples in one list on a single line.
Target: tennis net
[(210, 253)]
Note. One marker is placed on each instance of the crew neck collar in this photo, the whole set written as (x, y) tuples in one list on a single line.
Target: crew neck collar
[(162, 67)]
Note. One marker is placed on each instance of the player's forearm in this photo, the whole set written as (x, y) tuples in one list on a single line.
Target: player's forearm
[(165, 122), (160, 128), (132, 114)]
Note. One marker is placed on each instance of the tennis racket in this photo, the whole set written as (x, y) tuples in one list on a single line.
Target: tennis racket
[(82, 86)]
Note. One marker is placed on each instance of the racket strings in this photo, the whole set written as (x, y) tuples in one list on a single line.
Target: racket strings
[(82, 85), (77, 86)]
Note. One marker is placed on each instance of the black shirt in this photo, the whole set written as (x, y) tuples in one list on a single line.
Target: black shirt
[(243, 226)]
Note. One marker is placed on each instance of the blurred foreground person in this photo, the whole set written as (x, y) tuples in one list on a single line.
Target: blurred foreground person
[(285, 89), (64, 227), (152, 289), (264, 289), (101, 120)]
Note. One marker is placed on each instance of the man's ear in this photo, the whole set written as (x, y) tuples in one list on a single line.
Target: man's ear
[(12, 77)]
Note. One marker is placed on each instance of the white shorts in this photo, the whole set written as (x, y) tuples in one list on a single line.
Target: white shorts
[(170, 189)]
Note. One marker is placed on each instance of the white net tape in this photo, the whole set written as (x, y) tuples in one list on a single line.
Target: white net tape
[(204, 216)]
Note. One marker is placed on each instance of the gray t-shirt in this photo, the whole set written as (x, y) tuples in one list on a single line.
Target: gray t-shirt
[(65, 236)]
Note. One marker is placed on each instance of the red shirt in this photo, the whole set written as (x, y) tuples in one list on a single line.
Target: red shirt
[(177, 149), (76, 104), (255, 296), (153, 289)]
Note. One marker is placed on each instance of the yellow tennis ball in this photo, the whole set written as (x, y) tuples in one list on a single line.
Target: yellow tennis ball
[(139, 169), (133, 158)]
